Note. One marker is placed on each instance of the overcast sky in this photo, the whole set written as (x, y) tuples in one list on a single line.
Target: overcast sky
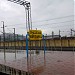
[(47, 15)]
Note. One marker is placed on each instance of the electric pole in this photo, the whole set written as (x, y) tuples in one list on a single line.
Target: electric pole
[(9, 41), (14, 42), (52, 34), (59, 33), (71, 32), (3, 38)]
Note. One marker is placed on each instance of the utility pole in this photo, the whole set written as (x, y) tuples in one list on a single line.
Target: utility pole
[(3, 38), (59, 33), (9, 41), (14, 43), (71, 32), (18, 41), (52, 34)]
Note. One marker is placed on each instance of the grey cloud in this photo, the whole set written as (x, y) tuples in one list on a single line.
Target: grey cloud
[(41, 10)]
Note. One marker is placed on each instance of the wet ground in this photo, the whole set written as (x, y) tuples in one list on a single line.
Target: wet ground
[(52, 63)]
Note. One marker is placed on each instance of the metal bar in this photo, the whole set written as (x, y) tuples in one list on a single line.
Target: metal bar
[(14, 42), (28, 20), (27, 45), (30, 17), (4, 40), (44, 44)]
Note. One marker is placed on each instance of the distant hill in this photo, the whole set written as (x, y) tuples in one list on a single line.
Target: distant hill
[(10, 37)]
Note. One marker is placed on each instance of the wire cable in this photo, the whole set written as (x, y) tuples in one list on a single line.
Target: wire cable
[(45, 20), (55, 23), (47, 24), (55, 18), (9, 30)]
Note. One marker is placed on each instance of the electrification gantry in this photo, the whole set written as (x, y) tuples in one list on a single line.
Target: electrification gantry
[(27, 6)]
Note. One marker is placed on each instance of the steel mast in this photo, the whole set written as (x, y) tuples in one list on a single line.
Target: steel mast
[(27, 6)]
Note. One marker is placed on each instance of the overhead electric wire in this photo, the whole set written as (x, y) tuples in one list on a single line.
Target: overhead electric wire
[(9, 30), (44, 20), (48, 27), (51, 23), (58, 26), (55, 18), (55, 23), (45, 25)]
